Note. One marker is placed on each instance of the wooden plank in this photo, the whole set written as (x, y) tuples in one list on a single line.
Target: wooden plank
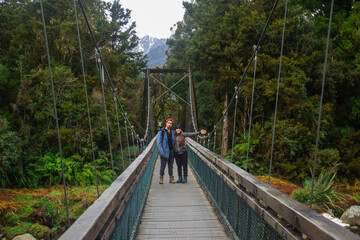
[(178, 211)]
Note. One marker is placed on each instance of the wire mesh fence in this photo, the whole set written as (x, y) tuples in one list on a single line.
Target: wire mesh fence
[(242, 221), (127, 225)]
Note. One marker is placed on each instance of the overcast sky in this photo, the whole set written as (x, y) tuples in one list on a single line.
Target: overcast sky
[(154, 17)]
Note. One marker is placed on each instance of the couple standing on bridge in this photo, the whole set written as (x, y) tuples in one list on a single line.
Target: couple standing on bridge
[(172, 144)]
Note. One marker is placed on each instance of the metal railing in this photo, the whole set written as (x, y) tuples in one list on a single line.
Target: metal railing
[(116, 213), (252, 209)]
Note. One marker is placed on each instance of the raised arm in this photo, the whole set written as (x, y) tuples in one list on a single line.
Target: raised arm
[(191, 134)]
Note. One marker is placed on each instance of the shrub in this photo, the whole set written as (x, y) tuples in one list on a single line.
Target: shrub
[(325, 198), (40, 231), (20, 229), (10, 157), (45, 213)]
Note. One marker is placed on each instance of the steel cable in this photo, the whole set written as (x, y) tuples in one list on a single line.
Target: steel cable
[(106, 117), (250, 61), (233, 139), (55, 110), (251, 110), (208, 138), (127, 137), (277, 90), (214, 139), (132, 136), (321, 101), (86, 97), (102, 60), (119, 132)]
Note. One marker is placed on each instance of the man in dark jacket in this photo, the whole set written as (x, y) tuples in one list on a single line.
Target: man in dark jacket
[(165, 144)]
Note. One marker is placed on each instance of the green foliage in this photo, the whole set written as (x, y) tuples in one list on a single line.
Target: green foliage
[(42, 212), (215, 38), (325, 197), (76, 170), (349, 150), (10, 156), (30, 136), (40, 231), (12, 232), (45, 213), (240, 150)]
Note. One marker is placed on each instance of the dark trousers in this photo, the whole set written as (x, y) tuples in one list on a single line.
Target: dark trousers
[(169, 161), (181, 162)]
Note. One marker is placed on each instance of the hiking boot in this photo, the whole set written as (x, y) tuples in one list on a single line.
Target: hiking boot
[(184, 179), (180, 180), (172, 180), (161, 180)]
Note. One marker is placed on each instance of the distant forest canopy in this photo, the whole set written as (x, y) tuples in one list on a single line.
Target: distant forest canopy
[(216, 40)]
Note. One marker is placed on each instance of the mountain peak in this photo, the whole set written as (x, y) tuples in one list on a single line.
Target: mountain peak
[(155, 49)]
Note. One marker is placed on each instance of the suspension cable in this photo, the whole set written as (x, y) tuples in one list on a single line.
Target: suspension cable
[(102, 60), (132, 136), (55, 110), (119, 132), (277, 90), (127, 137), (148, 108), (191, 102), (250, 61), (321, 101), (233, 138), (251, 109), (222, 136), (215, 128), (208, 138), (106, 118), (86, 97)]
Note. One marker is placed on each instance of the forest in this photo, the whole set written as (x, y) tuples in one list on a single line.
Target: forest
[(215, 39)]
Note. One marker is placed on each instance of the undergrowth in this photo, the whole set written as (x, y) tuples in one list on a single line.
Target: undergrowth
[(41, 212)]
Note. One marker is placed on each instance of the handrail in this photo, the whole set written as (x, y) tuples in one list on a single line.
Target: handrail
[(305, 220), (99, 219)]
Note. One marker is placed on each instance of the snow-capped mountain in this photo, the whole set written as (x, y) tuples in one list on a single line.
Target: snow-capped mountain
[(155, 49)]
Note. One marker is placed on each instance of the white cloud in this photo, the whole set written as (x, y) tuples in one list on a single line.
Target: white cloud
[(154, 17)]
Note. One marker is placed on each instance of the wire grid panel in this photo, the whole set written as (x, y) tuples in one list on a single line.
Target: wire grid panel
[(239, 217), (128, 223)]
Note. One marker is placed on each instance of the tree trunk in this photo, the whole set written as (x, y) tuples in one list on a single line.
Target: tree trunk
[(225, 145)]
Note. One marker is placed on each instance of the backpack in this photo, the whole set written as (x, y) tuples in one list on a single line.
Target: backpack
[(162, 129), (163, 132)]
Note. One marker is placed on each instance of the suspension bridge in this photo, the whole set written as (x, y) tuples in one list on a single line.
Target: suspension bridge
[(221, 200)]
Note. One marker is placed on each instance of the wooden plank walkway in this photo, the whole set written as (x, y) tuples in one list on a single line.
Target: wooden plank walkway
[(178, 211)]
